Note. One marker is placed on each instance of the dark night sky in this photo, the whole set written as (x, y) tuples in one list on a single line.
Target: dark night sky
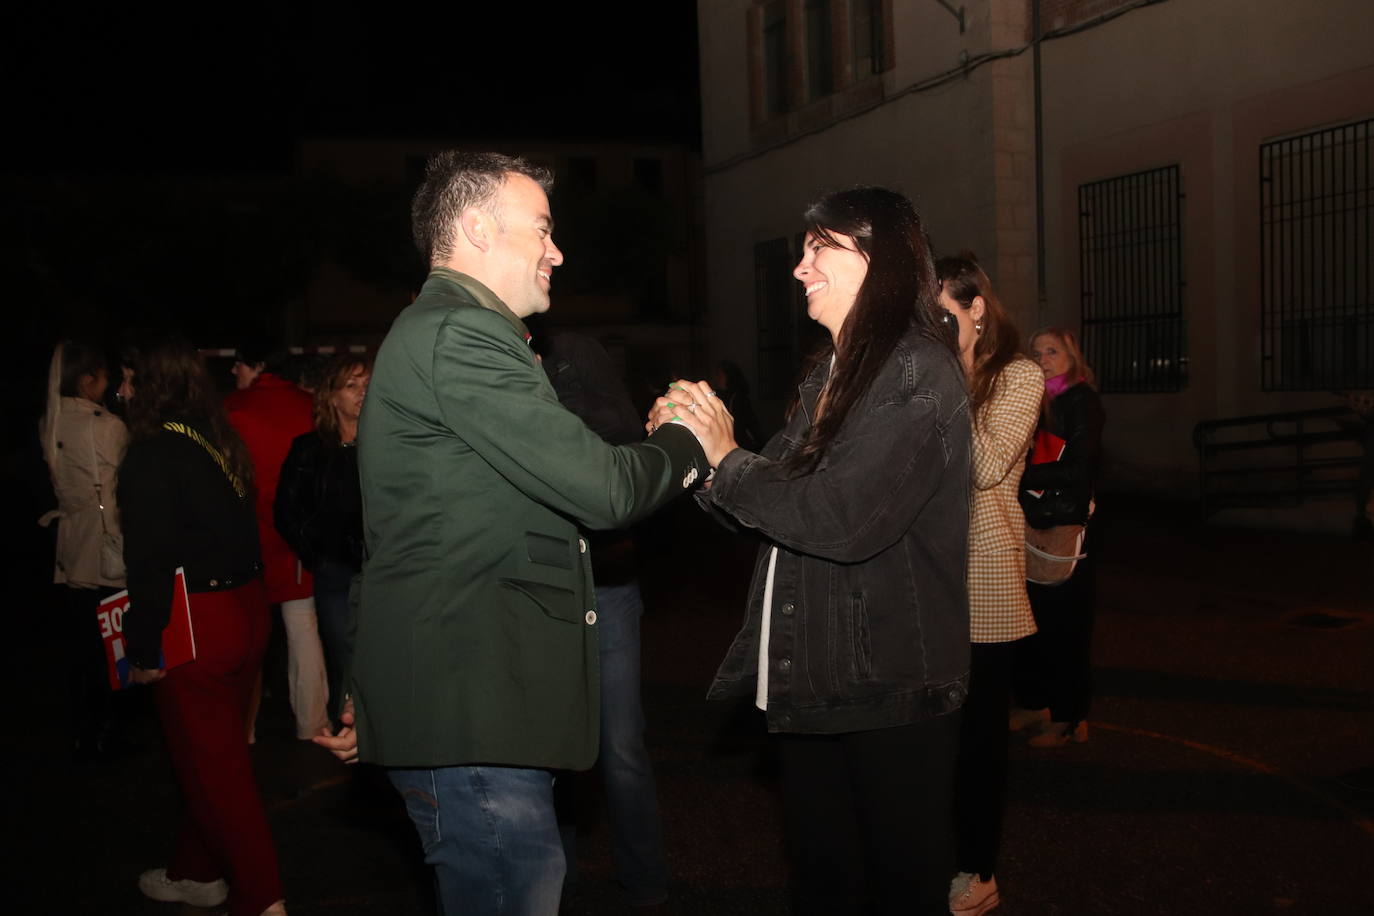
[(229, 88)]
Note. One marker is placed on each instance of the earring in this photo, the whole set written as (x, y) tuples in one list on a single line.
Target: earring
[(978, 327)]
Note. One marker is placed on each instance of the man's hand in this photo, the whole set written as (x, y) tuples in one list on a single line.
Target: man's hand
[(695, 405), (139, 675), (343, 745)]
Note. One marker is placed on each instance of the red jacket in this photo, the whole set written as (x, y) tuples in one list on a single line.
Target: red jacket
[(267, 416)]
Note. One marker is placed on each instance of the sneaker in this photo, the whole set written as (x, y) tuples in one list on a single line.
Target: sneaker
[(974, 896), (1059, 734), (1025, 718), (155, 884)]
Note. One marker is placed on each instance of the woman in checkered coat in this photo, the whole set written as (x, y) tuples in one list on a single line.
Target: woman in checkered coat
[(1004, 400)]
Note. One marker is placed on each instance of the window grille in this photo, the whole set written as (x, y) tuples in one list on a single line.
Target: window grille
[(1131, 261), (819, 76), (866, 32), (1316, 298), (776, 65)]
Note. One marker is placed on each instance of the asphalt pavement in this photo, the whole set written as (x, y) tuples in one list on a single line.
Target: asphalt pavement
[(1230, 766)]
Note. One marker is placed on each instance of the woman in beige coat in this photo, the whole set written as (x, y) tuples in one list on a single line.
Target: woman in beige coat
[(1004, 399), (83, 444)]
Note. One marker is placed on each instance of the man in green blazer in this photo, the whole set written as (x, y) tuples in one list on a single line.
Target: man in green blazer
[(475, 646)]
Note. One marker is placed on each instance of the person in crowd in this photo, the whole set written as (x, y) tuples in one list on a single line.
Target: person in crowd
[(1004, 401), (474, 670), (83, 444), (185, 492), (1053, 681), (855, 639), (268, 412), (587, 384), (319, 505)]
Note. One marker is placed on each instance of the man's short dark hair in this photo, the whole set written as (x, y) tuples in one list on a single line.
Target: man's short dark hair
[(454, 181)]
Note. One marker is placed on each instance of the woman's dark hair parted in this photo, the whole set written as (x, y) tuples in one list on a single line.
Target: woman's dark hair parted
[(172, 382), (899, 292), (997, 344), (454, 181)]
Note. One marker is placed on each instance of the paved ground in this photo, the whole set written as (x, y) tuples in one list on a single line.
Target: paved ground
[(1236, 697)]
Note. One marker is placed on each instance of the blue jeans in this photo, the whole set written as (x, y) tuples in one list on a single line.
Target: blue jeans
[(331, 611), (626, 774), (491, 835)]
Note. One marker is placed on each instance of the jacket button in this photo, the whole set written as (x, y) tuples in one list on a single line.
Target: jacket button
[(788, 608), (785, 664), (581, 545), (591, 617), (214, 583)]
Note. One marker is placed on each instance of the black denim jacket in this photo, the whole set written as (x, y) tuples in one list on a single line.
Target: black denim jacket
[(870, 605)]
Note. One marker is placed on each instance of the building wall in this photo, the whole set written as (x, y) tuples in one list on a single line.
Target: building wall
[(1137, 86), (1200, 85), (970, 176)]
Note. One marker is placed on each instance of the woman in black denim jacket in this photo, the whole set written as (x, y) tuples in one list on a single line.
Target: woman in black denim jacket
[(858, 612)]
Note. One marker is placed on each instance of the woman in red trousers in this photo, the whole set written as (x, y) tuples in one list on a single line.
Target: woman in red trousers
[(185, 490)]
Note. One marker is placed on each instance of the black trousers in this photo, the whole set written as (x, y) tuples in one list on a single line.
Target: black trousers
[(1053, 665), (867, 817), (980, 782), (86, 674)]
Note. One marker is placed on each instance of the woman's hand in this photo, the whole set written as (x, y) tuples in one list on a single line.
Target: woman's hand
[(343, 745), (139, 675), (696, 406)]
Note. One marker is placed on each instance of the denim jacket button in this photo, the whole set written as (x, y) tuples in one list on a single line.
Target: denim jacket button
[(788, 608), (785, 664)]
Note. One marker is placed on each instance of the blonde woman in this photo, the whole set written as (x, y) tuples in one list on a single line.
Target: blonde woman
[(1004, 401), (1053, 674)]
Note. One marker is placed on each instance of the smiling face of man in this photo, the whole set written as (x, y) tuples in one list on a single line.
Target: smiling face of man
[(522, 256)]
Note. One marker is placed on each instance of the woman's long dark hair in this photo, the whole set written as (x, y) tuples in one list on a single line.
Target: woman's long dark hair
[(998, 342), (899, 293), (171, 382)]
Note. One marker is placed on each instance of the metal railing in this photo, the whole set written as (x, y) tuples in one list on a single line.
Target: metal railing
[(1278, 459)]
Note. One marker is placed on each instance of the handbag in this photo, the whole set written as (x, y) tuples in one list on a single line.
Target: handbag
[(1052, 554)]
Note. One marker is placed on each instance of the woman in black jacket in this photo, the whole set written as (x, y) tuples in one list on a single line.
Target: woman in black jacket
[(319, 505), (1053, 672), (855, 641), (185, 492)]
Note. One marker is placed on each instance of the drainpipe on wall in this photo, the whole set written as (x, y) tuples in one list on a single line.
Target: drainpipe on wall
[(1041, 297)]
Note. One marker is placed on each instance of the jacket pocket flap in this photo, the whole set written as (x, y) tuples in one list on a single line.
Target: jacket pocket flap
[(548, 550), (556, 602)]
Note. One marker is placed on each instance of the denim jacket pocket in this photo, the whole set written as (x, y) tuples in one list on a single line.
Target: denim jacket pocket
[(861, 640)]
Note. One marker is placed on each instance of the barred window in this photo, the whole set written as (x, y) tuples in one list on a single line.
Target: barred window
[(1316, 298), (1130, 240), (776, 65)]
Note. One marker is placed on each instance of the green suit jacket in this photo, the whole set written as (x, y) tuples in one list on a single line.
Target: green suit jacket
[(475, 636)]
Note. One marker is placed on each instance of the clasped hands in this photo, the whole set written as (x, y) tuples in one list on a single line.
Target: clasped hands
[(695, 405)]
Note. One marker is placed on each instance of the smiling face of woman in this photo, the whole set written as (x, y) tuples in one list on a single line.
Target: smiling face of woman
[(831, 278)]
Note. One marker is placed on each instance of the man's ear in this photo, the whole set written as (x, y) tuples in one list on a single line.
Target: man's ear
[(477, 227)]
